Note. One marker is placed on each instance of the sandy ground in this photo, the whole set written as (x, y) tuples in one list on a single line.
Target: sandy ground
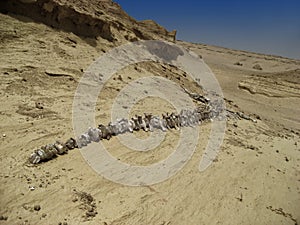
[(254, 180)]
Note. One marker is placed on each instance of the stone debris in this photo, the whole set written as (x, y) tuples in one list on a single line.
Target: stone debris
[(197, 97), (239, 115), (238, 64), (3, 217), (87, 203)]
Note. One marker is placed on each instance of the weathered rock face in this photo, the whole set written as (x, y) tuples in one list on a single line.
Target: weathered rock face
[(153, 27), (88, 18)]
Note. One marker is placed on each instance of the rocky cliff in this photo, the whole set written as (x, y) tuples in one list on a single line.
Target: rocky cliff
[(87, 18)]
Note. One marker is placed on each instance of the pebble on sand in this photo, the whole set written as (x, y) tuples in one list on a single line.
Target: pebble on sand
[(37, 207), (257, 67), (3, 217)]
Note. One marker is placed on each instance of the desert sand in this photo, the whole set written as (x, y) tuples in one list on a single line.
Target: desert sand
[(255, 178)]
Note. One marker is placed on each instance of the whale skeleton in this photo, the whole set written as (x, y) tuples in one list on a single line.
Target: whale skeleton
[(186, 118)]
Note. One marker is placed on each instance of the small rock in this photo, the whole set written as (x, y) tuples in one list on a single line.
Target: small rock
[(238, 64), (286, 159), (91, 214), (252, 147), (39, 105), (37, 207), (44, 215), (31, 188), (3, 135), (120, 78), (90, 209), (3, 217), (257, 67)]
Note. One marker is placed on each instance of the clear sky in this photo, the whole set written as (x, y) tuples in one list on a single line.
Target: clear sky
[(266, 26)]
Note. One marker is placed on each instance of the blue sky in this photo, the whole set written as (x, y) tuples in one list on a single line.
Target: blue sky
[(266, 26)]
